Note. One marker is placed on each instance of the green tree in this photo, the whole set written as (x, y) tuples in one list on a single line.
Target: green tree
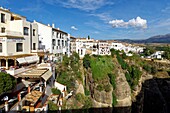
[(86, 61), (148, 51), (166, 55), (154, 70), (7, 82), (88, 37)]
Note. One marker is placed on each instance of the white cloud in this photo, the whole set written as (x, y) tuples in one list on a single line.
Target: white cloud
[(102, 16), (74, 28), (136, 23), (86, 5), (96, 32)]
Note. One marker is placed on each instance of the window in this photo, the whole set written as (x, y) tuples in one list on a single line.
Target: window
[(58, 42), (81, 52), (0, 47), (53, 42), (2, 18), (19, 47), (57, 35), (62, 42), (66, 43), (33, 32), (34, 46), (26, 31), (2, 30)]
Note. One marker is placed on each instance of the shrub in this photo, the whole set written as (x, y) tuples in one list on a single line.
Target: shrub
[(99, 87), (107, 88), (121, 62), (112, 80), (87, 103), (55, 91), (80, 97), (87, 92), (86, 61), (154, 70), (114, 99), (52, 106)]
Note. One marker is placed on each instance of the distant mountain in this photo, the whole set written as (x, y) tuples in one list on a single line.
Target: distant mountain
[(153, 39)]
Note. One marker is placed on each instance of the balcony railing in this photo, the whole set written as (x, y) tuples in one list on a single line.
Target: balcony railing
[(11, 33)]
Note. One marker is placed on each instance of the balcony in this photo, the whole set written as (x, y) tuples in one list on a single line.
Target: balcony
[(12, 33)]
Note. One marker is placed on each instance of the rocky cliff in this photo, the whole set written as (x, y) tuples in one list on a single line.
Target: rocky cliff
[(154, 97)]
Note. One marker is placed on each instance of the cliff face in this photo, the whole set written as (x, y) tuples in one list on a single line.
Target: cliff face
[(154, 97), (123, 91)]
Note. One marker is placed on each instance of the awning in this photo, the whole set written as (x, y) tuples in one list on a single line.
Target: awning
[(21, 60), (32, 59), (47, 75)]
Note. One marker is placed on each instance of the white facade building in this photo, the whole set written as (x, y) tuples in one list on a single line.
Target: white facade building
[(104, 48), (53, 40), (18, 38)]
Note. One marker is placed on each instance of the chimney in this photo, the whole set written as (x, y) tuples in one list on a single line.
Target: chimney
[(58, 28), (48, 24), (53, 25)]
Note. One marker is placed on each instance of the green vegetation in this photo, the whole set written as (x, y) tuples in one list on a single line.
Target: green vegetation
[(55, 91), (133, 72), (86, 101), (107, 87), (86, 61), (114, 100), (101, 66), (121, 61), (52, 106), (166, 50), (112, 80), (86, 91), (102, 69), (7, 82), (100, 87), (133, 75), (68, 71), (149, 50)]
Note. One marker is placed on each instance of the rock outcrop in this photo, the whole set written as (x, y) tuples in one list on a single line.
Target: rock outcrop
[(122, 91), (103, 97)]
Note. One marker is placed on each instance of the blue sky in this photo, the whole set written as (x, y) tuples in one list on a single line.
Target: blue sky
[(100, 19)]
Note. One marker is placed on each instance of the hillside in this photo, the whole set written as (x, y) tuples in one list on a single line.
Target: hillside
[(153, 39)]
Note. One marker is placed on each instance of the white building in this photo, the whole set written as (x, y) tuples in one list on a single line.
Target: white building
[(117, 46), (53, 40), (104, 48), (82, 46), (18, 39)]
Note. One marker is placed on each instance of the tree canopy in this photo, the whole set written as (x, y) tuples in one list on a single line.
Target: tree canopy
[(7, 82)]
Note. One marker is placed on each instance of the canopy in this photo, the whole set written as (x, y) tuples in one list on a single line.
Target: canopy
[(47, 75), (31, 59), (21, 60)]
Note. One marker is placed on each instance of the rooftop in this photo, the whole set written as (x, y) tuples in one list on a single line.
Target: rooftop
[(33, 97)]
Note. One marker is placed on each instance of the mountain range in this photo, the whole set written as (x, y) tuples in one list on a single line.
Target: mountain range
[(153, 39)]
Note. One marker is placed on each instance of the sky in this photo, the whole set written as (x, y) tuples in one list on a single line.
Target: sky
[(99, 19)]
